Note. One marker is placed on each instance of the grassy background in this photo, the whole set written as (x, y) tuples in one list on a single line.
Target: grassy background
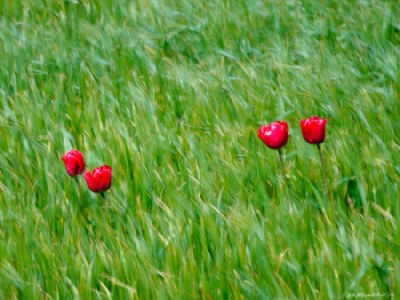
[(170, 94)]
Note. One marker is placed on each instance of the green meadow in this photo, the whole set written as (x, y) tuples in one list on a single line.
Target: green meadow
[(170, 94)]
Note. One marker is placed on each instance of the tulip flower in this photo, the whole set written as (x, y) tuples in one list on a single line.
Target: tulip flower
[(313, 131), (275, 136), (99, 180), (74, 162)]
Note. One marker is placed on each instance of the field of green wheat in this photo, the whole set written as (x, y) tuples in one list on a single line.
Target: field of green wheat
[(171, 94)]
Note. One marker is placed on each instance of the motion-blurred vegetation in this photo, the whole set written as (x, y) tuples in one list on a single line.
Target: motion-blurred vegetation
[(170, 94)]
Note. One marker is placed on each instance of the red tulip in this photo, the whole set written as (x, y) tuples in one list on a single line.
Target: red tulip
[(313, 130), (74, 163), (274, 135), (99, 180)]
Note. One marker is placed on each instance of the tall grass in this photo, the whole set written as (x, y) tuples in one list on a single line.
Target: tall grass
[(170, 94)]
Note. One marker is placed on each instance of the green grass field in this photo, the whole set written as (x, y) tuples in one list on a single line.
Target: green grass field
[(171, 94)]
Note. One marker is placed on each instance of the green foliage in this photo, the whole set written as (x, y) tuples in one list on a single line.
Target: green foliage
[(170, 94)]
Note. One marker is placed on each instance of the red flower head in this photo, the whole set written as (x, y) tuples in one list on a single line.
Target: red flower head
[(313, 130), (99, 180), (274, 135), (74, 163)]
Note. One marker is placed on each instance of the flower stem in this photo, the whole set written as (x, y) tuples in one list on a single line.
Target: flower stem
[(103, 195), (326, 183), (283, 167), (79, 188)]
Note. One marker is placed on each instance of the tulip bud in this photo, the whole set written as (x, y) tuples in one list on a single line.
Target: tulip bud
[(99, 180), (274, 135), (313, 130), (74, 163)]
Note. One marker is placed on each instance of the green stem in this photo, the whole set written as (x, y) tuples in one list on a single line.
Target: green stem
[(326, 183), (79, 188), (283, 167)]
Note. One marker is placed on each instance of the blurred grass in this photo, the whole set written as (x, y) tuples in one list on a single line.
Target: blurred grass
[(171, 95)]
